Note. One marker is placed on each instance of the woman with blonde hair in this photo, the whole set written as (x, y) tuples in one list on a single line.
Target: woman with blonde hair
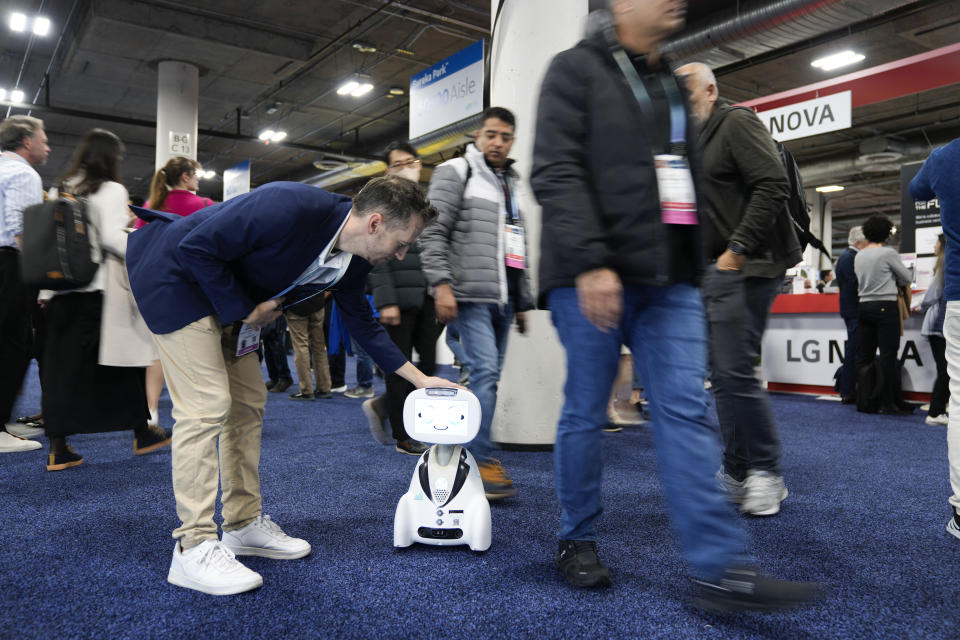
[(173, 189)]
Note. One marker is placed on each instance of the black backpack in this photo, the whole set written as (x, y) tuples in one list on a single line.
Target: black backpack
[(57, 242), (797, 202)]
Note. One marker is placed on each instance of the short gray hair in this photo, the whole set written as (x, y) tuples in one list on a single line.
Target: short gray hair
[(15, 129), (856, 236)]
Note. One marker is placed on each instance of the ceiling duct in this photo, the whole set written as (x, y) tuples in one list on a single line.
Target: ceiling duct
[(743, 34)]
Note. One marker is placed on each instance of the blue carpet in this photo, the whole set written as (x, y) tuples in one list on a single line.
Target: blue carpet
[(87, 549)]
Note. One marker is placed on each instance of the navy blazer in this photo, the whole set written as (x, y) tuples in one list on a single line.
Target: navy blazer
[(225, 259), (849, 287)]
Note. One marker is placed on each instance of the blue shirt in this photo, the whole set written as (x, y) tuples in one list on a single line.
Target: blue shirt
[(20, 187), (939, 178)]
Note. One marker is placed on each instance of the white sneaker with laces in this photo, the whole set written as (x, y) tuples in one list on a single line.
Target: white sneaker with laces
[(942, 420), (763, 493), (378, 428), (10, 443), (953, 525), (263, 537), (24, 430), (211, 568), (733, 488)]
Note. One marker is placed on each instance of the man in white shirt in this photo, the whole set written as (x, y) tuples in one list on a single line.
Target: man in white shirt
[(24, 146)]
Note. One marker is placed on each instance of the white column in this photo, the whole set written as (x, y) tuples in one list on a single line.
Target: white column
[(821, 226), (178, 89), (528, 35)]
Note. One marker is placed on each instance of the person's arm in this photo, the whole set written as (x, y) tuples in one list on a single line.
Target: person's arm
[(921, 187), (22, 190), (933, 293), (761, 169), (446, 194), (114, 218), (900, 272)]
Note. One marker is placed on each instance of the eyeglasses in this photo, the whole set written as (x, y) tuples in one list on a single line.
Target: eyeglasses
[(403, 164)]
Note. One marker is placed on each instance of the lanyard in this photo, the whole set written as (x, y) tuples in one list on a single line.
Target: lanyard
[(678, 117), (307, 277)]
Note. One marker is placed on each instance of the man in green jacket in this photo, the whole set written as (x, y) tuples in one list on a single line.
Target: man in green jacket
[(749, 237)]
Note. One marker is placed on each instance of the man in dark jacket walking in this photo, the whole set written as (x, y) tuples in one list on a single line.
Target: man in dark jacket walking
[(619, 265), (749, 238), (849, 311)]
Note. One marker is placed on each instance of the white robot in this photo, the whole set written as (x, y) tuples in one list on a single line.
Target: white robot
[(446, 503)]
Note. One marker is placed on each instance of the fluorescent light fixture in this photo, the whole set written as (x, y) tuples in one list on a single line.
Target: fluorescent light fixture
[(41, 26), (16, 96), (396, 91), (278, 136), (837, 60), (18, 22), (206, 175), (830, 188), (362, 90), (347, 87), (266, 134)]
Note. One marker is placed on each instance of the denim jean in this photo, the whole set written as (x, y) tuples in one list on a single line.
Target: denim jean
[(737, 310), (275, 349), (484, 329), (666, 332), (364, 365), (847, 384), (453, 341)]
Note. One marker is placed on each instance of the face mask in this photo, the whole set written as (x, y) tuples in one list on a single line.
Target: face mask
[(409, 173)]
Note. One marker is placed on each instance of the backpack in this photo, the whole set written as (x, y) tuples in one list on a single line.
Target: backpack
[(797, 202), (58, 244)]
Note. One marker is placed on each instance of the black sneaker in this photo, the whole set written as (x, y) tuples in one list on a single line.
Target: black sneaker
[(299, 395), (281, 385), (65, 460), (746, 589), (322, 395), (150, 440), (411, 446), (580, 565)]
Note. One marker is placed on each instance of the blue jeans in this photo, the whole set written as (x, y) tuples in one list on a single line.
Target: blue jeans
[(453, 341), (364, 365), (484, 329), (666, 331)]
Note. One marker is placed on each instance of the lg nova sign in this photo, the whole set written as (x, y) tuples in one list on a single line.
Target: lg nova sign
[(810, 118)]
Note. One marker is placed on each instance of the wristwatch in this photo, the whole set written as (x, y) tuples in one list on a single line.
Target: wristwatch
[(736, 248)]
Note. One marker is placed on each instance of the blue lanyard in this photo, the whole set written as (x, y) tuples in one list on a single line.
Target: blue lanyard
[(678, 116)]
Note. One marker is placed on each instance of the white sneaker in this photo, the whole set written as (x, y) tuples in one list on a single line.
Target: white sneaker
[(733, 488), (941, 419), (263, 537), (373, 409), (211, 568), (339, 389), (953, 525), (10, 443), (24, 430), (763, 493)]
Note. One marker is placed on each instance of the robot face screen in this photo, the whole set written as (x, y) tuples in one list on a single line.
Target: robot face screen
[(439, 415)]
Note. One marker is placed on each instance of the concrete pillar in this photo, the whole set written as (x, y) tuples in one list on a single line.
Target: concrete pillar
[(178, 89), (528, 35)]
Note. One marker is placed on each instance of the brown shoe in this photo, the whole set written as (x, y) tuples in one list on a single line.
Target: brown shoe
[(154, 438), (496, 481), (65, 460)]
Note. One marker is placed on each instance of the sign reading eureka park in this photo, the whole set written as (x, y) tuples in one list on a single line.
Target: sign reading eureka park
[(447, 92), (809, 118)]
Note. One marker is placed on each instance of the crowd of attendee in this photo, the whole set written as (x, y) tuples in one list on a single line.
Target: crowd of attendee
[(677, 256)]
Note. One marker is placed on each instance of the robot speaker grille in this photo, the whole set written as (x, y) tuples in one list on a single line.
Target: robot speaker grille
[(440, 495)]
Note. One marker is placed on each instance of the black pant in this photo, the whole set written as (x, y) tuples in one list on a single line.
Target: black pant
[(418, 329), (14, 332), (941, 388), (879, 326), (337, 362)]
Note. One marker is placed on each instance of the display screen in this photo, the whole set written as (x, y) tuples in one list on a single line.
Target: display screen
[(439, 415)]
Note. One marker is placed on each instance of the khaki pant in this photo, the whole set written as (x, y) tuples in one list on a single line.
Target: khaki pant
[(306, 333), (218, 399)]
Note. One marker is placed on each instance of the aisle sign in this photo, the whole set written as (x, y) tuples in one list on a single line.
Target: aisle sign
[(447, 92), (180, 145), (809, 118)]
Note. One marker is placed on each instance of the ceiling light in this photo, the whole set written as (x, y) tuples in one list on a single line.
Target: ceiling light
[(278, 136), (266, 134), (3, 95), (830, 188), (364, 47), (347, 87), (18, 22), (396, 91), (206, 175), (41, 26), (837, 60), (362, 90), (272, 109), (16, 96)]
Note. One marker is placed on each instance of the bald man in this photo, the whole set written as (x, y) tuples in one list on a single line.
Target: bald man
[(750, 241)]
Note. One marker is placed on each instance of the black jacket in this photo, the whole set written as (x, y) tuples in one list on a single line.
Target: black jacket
[(593, 174), (849, 287), (746, 193), (399, 282)]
